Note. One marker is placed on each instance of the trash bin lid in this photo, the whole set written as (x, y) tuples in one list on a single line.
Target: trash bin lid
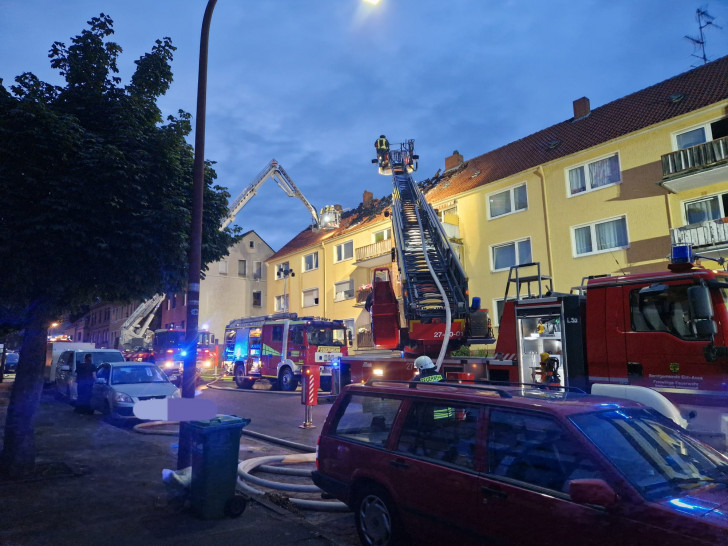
[(222, 420)]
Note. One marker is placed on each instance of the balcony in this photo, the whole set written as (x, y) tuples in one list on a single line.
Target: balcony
[(705, 237), (375, 254), (364, 339), (695, 167)]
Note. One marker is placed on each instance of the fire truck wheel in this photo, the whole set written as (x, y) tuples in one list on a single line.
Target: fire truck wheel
[(286, 380), (325, 384), (240, 380)]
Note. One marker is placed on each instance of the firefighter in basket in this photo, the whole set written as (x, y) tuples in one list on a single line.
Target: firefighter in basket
[(382, 147)]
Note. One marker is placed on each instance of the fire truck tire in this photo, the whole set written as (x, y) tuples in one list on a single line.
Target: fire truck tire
[(325, 384), (377, 521), (240, 380), (286, 380)]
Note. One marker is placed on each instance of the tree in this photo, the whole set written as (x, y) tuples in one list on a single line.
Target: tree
[(95, 200)]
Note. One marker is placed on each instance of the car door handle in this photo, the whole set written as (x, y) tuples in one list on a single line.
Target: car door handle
[(490, 492), (399, 463)]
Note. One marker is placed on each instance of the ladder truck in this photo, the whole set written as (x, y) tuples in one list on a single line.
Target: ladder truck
[(434, 313)]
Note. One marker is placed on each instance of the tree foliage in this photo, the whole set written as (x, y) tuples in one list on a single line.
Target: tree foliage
[(95, 199)]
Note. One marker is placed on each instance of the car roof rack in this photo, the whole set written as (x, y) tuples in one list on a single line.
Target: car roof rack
[(425, 384), (540, 386)]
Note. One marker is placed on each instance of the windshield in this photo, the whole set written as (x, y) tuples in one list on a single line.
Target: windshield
[(326, 336), (657, 459), (137, 374)]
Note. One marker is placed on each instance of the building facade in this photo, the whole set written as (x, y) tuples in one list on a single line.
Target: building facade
[(233, 287), (604, 192)]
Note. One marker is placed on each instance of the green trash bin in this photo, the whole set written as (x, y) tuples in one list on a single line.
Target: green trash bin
[(214, 453)]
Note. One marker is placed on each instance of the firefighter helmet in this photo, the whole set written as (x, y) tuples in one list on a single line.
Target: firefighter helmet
[(544, 357), (424, 362)]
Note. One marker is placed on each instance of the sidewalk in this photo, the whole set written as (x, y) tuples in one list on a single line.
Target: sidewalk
[(101, 484)]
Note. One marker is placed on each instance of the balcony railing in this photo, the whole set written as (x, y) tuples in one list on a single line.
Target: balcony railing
[(374, 250), (702, 156), (713, 233)]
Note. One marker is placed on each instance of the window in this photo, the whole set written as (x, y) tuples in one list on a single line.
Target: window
[(242, 268), (281, 270), (708, 208), (281, 303), (344, 290), (514, 199), (600, 237), (534, 449), (223, 267), (664, 310), (699, 135), (441, 432), (257, 270), (594, 175), (252, 244), (344, 251), (310, 261), (277, 333), (510, 254), (382, 235), (310, 297), (257, 298), (367, 419)]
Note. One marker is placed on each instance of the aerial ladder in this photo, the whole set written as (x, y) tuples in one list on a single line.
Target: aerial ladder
[(328, 219), (435, 302), (135, 331)]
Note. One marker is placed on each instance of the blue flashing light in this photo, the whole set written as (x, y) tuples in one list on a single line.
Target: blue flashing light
[(681, 254), (183, 353)]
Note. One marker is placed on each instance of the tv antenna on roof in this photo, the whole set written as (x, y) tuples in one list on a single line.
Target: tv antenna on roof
[(705, 20)]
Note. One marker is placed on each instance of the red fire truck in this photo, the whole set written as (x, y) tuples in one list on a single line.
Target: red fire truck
[(169, 349), (275, 347)]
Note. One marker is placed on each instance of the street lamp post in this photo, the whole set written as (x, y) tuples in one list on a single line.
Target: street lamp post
[(195, 255)]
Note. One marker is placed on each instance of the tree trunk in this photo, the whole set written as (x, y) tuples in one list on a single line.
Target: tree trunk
[(18, 455)]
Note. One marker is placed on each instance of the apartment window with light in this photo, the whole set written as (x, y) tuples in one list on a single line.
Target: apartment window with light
[(598, 237), (699, 135), (223, 267), (382, 235), (310, 261), (281, 303), (508, 201), (281, 269), (706, 208), (595, 175), (344, 290), (344, 251), (257, 270), (242, 268), (257, 298), (310, 297), (509, 254)]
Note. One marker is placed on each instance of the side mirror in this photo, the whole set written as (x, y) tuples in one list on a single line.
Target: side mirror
[(701, 308), (101, 380), (594, 492), (350, 337)]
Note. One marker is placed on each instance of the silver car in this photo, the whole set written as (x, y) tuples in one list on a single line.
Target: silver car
[(120, 385)]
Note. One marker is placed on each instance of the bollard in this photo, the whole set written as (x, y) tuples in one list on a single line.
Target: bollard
[(311, 378)]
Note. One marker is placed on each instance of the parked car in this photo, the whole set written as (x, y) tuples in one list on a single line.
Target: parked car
[(65, 367), (442, 463), (120, 385), (11, 362)]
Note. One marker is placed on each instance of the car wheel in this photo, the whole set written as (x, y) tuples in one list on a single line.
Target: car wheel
[(240, 380), (376, 518), (326, 384), (286, 380)]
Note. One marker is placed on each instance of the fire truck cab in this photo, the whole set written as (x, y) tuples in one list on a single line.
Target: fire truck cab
[(275, 347)]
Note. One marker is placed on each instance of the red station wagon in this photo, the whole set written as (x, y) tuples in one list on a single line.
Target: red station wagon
[(443, 463)]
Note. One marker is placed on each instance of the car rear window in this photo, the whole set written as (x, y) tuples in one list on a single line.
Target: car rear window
[(441, 431), (98, 358), (367, 418)]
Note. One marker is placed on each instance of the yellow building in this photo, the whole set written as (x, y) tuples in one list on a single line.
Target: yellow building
[(605, 192)]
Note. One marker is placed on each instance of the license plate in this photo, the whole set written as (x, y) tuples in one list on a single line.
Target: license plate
[(326, 357), (173, 377)]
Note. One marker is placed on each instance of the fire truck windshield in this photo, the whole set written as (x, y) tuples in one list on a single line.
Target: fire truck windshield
[(326, 335)]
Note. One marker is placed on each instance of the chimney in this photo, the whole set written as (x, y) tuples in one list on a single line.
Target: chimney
[(453, 161), (581, 108), (366, 199)]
